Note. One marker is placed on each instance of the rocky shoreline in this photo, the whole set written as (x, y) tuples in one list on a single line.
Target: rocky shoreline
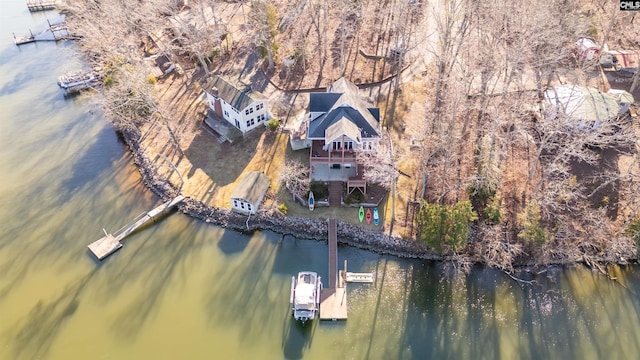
[(304, 228)]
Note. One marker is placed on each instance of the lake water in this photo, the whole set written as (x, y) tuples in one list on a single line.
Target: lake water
[(182, 289)]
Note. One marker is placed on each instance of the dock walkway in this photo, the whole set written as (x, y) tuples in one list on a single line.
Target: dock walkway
[(333, 299), (110, 243)]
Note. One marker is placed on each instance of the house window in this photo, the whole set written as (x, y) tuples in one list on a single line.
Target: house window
[(259, 106), (348, 145), (242, 204), (248, 111), (235, 203), (249, 207), (248, 123), (211, 103), (238, 124), (336, 145), (253, 122), (260, 118), (226, 114)]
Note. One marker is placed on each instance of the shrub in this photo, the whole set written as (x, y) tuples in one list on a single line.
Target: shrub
[(633, 230), (532, 232), (320, 189), (273, 124), (151, 80), (492, 210), (442, 226), (108, 81), (283, 208)]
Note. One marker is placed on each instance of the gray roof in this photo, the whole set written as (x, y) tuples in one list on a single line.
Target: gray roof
[(252, 187), (342, 101), (239, 96)]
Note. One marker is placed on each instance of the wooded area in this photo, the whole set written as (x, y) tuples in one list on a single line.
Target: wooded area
[(463, 118)]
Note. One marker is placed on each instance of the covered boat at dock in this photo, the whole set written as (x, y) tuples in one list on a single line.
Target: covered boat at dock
[(305, 295)]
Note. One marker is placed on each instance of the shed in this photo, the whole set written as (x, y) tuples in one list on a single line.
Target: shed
[(248, 195)]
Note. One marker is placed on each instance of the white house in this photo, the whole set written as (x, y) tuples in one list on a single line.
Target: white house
[(239, 105), (248, 195)]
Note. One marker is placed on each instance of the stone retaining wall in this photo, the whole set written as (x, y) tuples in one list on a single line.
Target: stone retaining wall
[(304, 228)]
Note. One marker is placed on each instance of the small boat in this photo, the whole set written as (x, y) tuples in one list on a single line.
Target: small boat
[(305, 295), (312, 201), (376, 217), (361, 213), (368, 216)]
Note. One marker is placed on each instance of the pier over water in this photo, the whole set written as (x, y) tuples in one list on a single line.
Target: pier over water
[(110, 243)]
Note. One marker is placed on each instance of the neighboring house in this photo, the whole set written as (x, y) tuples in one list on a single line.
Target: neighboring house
[(239, 105), (340, 122), (588, 107), (248, 195)]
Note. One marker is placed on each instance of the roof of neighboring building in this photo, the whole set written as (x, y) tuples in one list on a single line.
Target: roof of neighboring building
[(579, 102), (239, 96), (342, 101), (251, 187)]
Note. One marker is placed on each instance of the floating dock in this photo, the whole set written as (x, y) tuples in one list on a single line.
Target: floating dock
[(41, 5), (110, 243), (358, 277)]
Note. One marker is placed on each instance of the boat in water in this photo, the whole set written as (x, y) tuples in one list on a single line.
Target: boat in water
[(305, 295)]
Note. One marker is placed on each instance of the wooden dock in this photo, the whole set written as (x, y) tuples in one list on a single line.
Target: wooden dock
[(110, 243), (58, 32), (333, 299), (41, 5)]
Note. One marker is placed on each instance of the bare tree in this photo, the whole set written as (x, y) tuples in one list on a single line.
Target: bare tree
[(295, 177), (264, 19)]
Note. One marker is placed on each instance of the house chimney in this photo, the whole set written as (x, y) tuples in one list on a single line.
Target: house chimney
[(217, 107)]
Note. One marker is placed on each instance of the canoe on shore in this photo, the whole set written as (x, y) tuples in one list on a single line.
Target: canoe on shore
[(361, 213)]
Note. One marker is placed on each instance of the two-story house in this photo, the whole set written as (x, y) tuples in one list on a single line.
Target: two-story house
[(241, 106), (340, 122)]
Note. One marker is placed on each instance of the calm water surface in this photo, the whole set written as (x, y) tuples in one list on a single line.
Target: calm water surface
[(185, 290)]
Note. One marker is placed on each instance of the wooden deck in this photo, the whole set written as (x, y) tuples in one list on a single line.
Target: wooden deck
[(333, 299), (333, 304), (110, 243)]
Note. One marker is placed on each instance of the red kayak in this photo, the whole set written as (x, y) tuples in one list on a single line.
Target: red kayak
[(368, 216)]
